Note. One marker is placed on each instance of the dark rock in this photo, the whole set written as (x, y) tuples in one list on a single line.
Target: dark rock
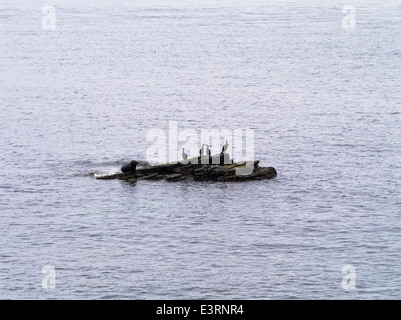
[(175, 177), (224, 170), (129, 167)]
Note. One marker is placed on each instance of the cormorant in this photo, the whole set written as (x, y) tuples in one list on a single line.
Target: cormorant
[(184, 155), (201, 151), (225, 147), (208, 152)]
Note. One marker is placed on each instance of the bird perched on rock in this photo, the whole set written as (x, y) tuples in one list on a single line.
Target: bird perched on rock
[(184, 155), (208, 152), (201, 151), (225, 147)]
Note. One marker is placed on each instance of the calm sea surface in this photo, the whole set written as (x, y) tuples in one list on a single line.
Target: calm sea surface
[(325, 106)]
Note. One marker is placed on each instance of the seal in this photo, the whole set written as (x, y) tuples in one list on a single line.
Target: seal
[(129, 167)]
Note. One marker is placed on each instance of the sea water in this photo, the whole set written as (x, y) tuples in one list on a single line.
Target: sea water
[(81, 86)]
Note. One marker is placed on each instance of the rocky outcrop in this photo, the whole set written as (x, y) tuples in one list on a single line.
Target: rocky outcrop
[(224, 170)]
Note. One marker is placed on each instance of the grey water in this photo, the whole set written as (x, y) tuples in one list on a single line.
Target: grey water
[(78, 100)]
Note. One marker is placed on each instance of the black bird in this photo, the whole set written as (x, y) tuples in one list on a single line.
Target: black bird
[(225, 147), (208, 152), (201, 151)]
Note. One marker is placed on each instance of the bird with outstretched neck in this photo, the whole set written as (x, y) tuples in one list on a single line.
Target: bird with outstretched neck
[(225, 147), (184, 155)]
